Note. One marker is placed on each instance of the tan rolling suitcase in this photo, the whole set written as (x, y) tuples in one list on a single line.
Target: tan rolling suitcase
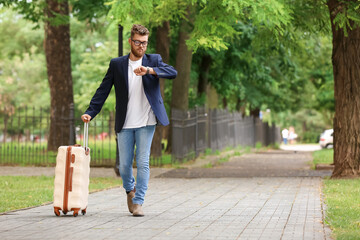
[(72, 173)]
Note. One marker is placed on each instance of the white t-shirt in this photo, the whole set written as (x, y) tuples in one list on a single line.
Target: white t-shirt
[(285, 133), (139, 112)]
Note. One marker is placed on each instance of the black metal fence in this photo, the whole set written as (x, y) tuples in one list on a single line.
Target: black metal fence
[(196, 130), (24, 134), (24, 137)]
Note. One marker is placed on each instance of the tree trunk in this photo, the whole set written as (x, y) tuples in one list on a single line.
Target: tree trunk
[(180, 87), (162, 47), (57, 51), (225, 103), (180, 90), (204, 74), (241, 105), (212, 97), (255, 112), (346, 60)]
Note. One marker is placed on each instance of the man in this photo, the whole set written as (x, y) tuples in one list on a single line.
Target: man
[(139, 107), (285, 135)]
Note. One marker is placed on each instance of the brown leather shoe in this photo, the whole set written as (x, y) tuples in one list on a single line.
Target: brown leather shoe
[(138, 212), (130, 204)]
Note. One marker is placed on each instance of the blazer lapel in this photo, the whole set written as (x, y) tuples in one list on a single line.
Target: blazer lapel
[(125, 68), (145, 63)]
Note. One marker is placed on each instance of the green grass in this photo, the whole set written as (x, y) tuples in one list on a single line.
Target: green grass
[(342, 198), (247, 149), (224, 159), (208, 165), (324, 156), (237, 153), (18, 192), (208, 151), (258, 145)]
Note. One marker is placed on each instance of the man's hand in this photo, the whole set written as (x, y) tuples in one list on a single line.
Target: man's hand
[(86, 118), (141, 71)]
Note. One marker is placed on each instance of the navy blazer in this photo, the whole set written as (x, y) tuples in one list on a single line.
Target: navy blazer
[(117, 75)]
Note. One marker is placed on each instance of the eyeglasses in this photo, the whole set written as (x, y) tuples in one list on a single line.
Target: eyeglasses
[(138, 43)]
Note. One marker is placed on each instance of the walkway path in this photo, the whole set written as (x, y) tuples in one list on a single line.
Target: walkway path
[(246, 198)]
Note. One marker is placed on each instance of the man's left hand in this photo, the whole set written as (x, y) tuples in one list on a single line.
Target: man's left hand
[(140, 71)]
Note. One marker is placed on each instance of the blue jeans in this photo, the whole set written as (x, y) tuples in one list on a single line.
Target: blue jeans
[(127, 139)]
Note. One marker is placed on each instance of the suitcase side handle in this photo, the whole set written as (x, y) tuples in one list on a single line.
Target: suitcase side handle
[(86, 137), (70, 177)]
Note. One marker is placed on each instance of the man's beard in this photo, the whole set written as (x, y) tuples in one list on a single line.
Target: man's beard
[(136, 53)]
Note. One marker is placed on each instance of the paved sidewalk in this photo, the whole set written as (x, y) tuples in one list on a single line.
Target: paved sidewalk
[(211, 207)]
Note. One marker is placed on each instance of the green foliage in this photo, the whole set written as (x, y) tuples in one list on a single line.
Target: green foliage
[(255, 75), (310, 137), (213, 22), (305, 121), (342, 211), (347, 16), (258, 145), (17, 35), (211, 27), (22, 63), (136, 10), (92, 50), (90, 73), (31, 10), (310, 16), (90, 10)]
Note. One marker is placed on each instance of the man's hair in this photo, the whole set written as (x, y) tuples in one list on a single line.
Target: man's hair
[(139, 29)]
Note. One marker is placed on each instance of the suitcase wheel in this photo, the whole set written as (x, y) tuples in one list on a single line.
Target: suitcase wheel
[(83, 211), (76, 212), (57, 213), (65, 212)]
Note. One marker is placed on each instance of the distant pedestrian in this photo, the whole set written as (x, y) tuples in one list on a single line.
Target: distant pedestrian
[(285, 135), (292, 135), (139, 107)]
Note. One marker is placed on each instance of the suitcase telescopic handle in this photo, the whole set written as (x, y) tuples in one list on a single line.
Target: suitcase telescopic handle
[(86, 135)]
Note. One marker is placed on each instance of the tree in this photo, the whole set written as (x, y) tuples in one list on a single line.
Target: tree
[(55, 14), (58, 62), (162, 47), (345, 20)]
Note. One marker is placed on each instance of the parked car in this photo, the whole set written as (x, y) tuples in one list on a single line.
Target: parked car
[(326, 138)]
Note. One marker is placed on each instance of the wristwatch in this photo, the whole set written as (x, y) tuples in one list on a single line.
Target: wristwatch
[(147, 70)]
